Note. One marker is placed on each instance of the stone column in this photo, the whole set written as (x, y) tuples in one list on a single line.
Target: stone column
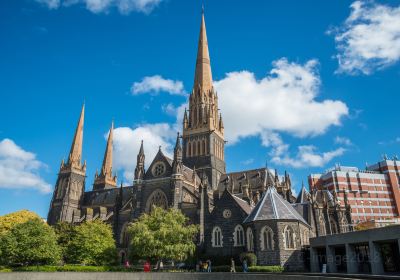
[(330, 259), (314, 260), (375, 258), (351, 259)]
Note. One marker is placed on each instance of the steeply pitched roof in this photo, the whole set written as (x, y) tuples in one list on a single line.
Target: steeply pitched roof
[(272, 206), (243, 204), (303, 196)]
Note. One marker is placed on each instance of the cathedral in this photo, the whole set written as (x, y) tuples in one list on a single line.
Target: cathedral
[(245, 211)]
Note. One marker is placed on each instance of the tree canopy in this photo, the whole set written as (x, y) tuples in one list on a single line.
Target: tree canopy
[(163, 234), (32, 242), (10, 220), (89, 243)]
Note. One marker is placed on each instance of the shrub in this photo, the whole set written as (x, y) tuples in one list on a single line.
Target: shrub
[(92, 243), (272, 268), (32, 242), (250, 258)]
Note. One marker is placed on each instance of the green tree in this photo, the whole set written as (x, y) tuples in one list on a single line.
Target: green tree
[(65, 233), (15, 218), (29, 243), (163, 234), (91, 243)]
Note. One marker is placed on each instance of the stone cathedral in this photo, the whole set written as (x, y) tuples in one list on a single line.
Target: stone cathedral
[(245, 211)]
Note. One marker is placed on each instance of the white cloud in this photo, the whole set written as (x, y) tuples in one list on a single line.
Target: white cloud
[(51, 4), (19, 168), (127, 143), (307, 156), (247, 161), (369, 39), (283, 101), (103, 6), (343, 141), (156, 84)]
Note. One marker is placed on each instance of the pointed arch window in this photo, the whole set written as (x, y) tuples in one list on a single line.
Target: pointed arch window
[(216, 239), (289, 238), (157, 198), (267, 239), (205, 147), (334, 228), (199, 147), (250, 240), (238, 236)]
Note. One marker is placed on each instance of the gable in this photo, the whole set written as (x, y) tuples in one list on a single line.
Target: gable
[(160, 167)]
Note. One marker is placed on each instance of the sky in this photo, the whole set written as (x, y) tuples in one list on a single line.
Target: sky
[(302, 85)]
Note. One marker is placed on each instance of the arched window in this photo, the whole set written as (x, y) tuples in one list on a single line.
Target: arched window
[(266, 238), (306, 237), (187, 149), (198, 148), (204, 147), (343, 225), (124, 236), (334, 228), (289, 238), (322, 229), (157, 198), (250, 240), (238, 236), (216, 239)]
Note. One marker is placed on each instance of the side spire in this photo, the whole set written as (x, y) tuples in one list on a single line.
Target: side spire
[(203, 76), (139, 170), (106, 178), (75, 154)]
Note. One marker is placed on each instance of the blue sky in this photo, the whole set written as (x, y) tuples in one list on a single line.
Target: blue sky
[(304, 84)]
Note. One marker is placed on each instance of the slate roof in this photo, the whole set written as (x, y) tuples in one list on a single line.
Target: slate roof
[(272, 206), (303, 196), (256, 178), (243, 204)]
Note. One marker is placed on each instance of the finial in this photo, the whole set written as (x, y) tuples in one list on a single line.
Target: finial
[(159, 148)]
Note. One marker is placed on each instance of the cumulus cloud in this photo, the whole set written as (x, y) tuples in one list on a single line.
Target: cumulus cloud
[(127, 143), (283, 101), (19, 168), (343, 141), (103, 6), (306, 156), (156, 84), (369, 39)]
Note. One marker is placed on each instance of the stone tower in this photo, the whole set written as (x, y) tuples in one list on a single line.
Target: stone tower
[(70, 185), (203, 129), (106, 180)]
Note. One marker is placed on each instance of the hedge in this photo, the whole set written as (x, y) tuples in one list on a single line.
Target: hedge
[(271, 268), (76, 268)]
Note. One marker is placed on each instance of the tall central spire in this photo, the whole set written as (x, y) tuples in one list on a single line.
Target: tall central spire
[(203, 76), (75, 154)]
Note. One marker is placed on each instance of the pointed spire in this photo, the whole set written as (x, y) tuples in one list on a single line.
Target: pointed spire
[(203, 76), (106, 178), (177, 164), (139, 170), (221, 123), (75, 154), (107, 160)]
